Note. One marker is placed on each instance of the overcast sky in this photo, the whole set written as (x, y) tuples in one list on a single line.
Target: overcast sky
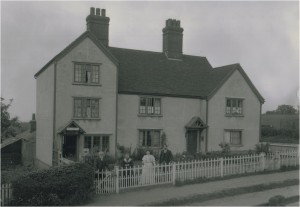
[(261, 36)]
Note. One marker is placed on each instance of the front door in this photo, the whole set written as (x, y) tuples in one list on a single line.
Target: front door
[(70, 147), (192, 141)]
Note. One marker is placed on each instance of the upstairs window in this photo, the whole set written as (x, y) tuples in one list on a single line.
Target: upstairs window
[(86, 73), (234, 106), (150, 106), (86, 108)]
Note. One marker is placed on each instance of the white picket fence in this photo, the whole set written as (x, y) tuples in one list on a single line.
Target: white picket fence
[(6, 194), (138, 176)]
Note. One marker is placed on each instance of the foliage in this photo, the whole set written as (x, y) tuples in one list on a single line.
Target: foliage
[(262, 147), (283, 109), (163, 139), (67, 185), (91, 160), (13, 172), (277, 200), (9, 126), (225, 147), (269, 131)]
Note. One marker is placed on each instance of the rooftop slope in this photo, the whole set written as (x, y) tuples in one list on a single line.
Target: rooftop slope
[(146, 72)]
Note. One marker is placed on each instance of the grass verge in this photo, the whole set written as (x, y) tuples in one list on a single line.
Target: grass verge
[(224, 193), (179, 183), (287, 200)]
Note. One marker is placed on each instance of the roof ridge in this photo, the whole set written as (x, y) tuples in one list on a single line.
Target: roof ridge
[(234, 64), (149, 51)]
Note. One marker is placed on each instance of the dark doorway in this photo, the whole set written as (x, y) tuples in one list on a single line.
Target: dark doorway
[(70, 147), (192, 141)]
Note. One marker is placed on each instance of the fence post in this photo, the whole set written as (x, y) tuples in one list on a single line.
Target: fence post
[(117, 178), (174, 172), (221, 167), (262, 160)]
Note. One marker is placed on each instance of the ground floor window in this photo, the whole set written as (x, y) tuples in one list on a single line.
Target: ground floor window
[(149, 138), (233, 137), (96, 143)]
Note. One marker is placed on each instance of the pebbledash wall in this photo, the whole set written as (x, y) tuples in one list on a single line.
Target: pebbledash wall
[(44, 117), (87, 52), (66, 90), (249, 123), (176, 113)]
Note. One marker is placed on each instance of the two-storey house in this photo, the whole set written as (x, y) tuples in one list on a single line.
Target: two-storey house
[(92, 95)]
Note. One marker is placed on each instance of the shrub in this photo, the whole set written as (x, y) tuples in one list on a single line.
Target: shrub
[(67, 185), (277, 200), (262, 147), (225, 147)]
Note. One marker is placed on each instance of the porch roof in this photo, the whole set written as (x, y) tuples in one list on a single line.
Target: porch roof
[(72, 126), (196, 123)]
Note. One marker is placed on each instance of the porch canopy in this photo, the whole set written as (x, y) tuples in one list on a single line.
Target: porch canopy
[(71, 128), (195, 123)]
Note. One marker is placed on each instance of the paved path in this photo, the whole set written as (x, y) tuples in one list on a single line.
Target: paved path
[(251, 199), (161, 193)]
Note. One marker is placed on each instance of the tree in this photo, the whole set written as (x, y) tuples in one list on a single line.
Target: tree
[(9, 125), (283, 109)]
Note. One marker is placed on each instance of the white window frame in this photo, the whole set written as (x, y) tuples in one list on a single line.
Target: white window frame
[(92, 138), (150, 108), (230, 141), (234, 110), (144, 139)]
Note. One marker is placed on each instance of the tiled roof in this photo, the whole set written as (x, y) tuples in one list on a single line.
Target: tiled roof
[(152, 73), (144, 72)]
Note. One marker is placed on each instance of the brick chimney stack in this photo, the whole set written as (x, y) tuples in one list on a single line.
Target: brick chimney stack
[(98, 24), (172, 39), (33, 123)]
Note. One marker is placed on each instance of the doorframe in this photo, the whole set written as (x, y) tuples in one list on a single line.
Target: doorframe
[(63, 137)]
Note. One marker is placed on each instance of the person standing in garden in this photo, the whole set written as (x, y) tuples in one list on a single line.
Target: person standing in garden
[(164, 159), (127, 165), (147, 176), (165, 156)]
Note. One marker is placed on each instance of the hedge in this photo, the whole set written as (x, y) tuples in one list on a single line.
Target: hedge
[(66, 185)]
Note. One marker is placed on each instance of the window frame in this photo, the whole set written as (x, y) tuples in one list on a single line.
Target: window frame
[(92, 138), (231, 107), (91, 99), (90, 83), (230, 142), (145, 131), (147, 105)]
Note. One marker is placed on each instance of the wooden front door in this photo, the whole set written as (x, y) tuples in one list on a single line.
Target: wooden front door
[(192, 141)]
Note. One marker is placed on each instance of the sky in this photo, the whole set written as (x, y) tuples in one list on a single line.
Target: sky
[(262, 36)]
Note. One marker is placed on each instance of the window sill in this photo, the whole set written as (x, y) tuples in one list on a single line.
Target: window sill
[(86, 84), (233, 115), (236, 145), (77, 118), (147, 115)]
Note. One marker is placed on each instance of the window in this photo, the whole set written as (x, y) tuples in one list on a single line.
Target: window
[(99, 142), (233, 137), (149, 138), (86, 108), (150, 106), (234, 106), (86, 73)]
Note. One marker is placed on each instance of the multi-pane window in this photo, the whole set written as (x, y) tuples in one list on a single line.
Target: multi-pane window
[(149, 138), (86, 73), (86, 108), (150, 106), (233, 137), (97, 142), (234, 106)]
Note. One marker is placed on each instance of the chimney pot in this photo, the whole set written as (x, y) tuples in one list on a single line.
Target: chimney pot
[(92, 10), (103, 12), (98, 11)]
